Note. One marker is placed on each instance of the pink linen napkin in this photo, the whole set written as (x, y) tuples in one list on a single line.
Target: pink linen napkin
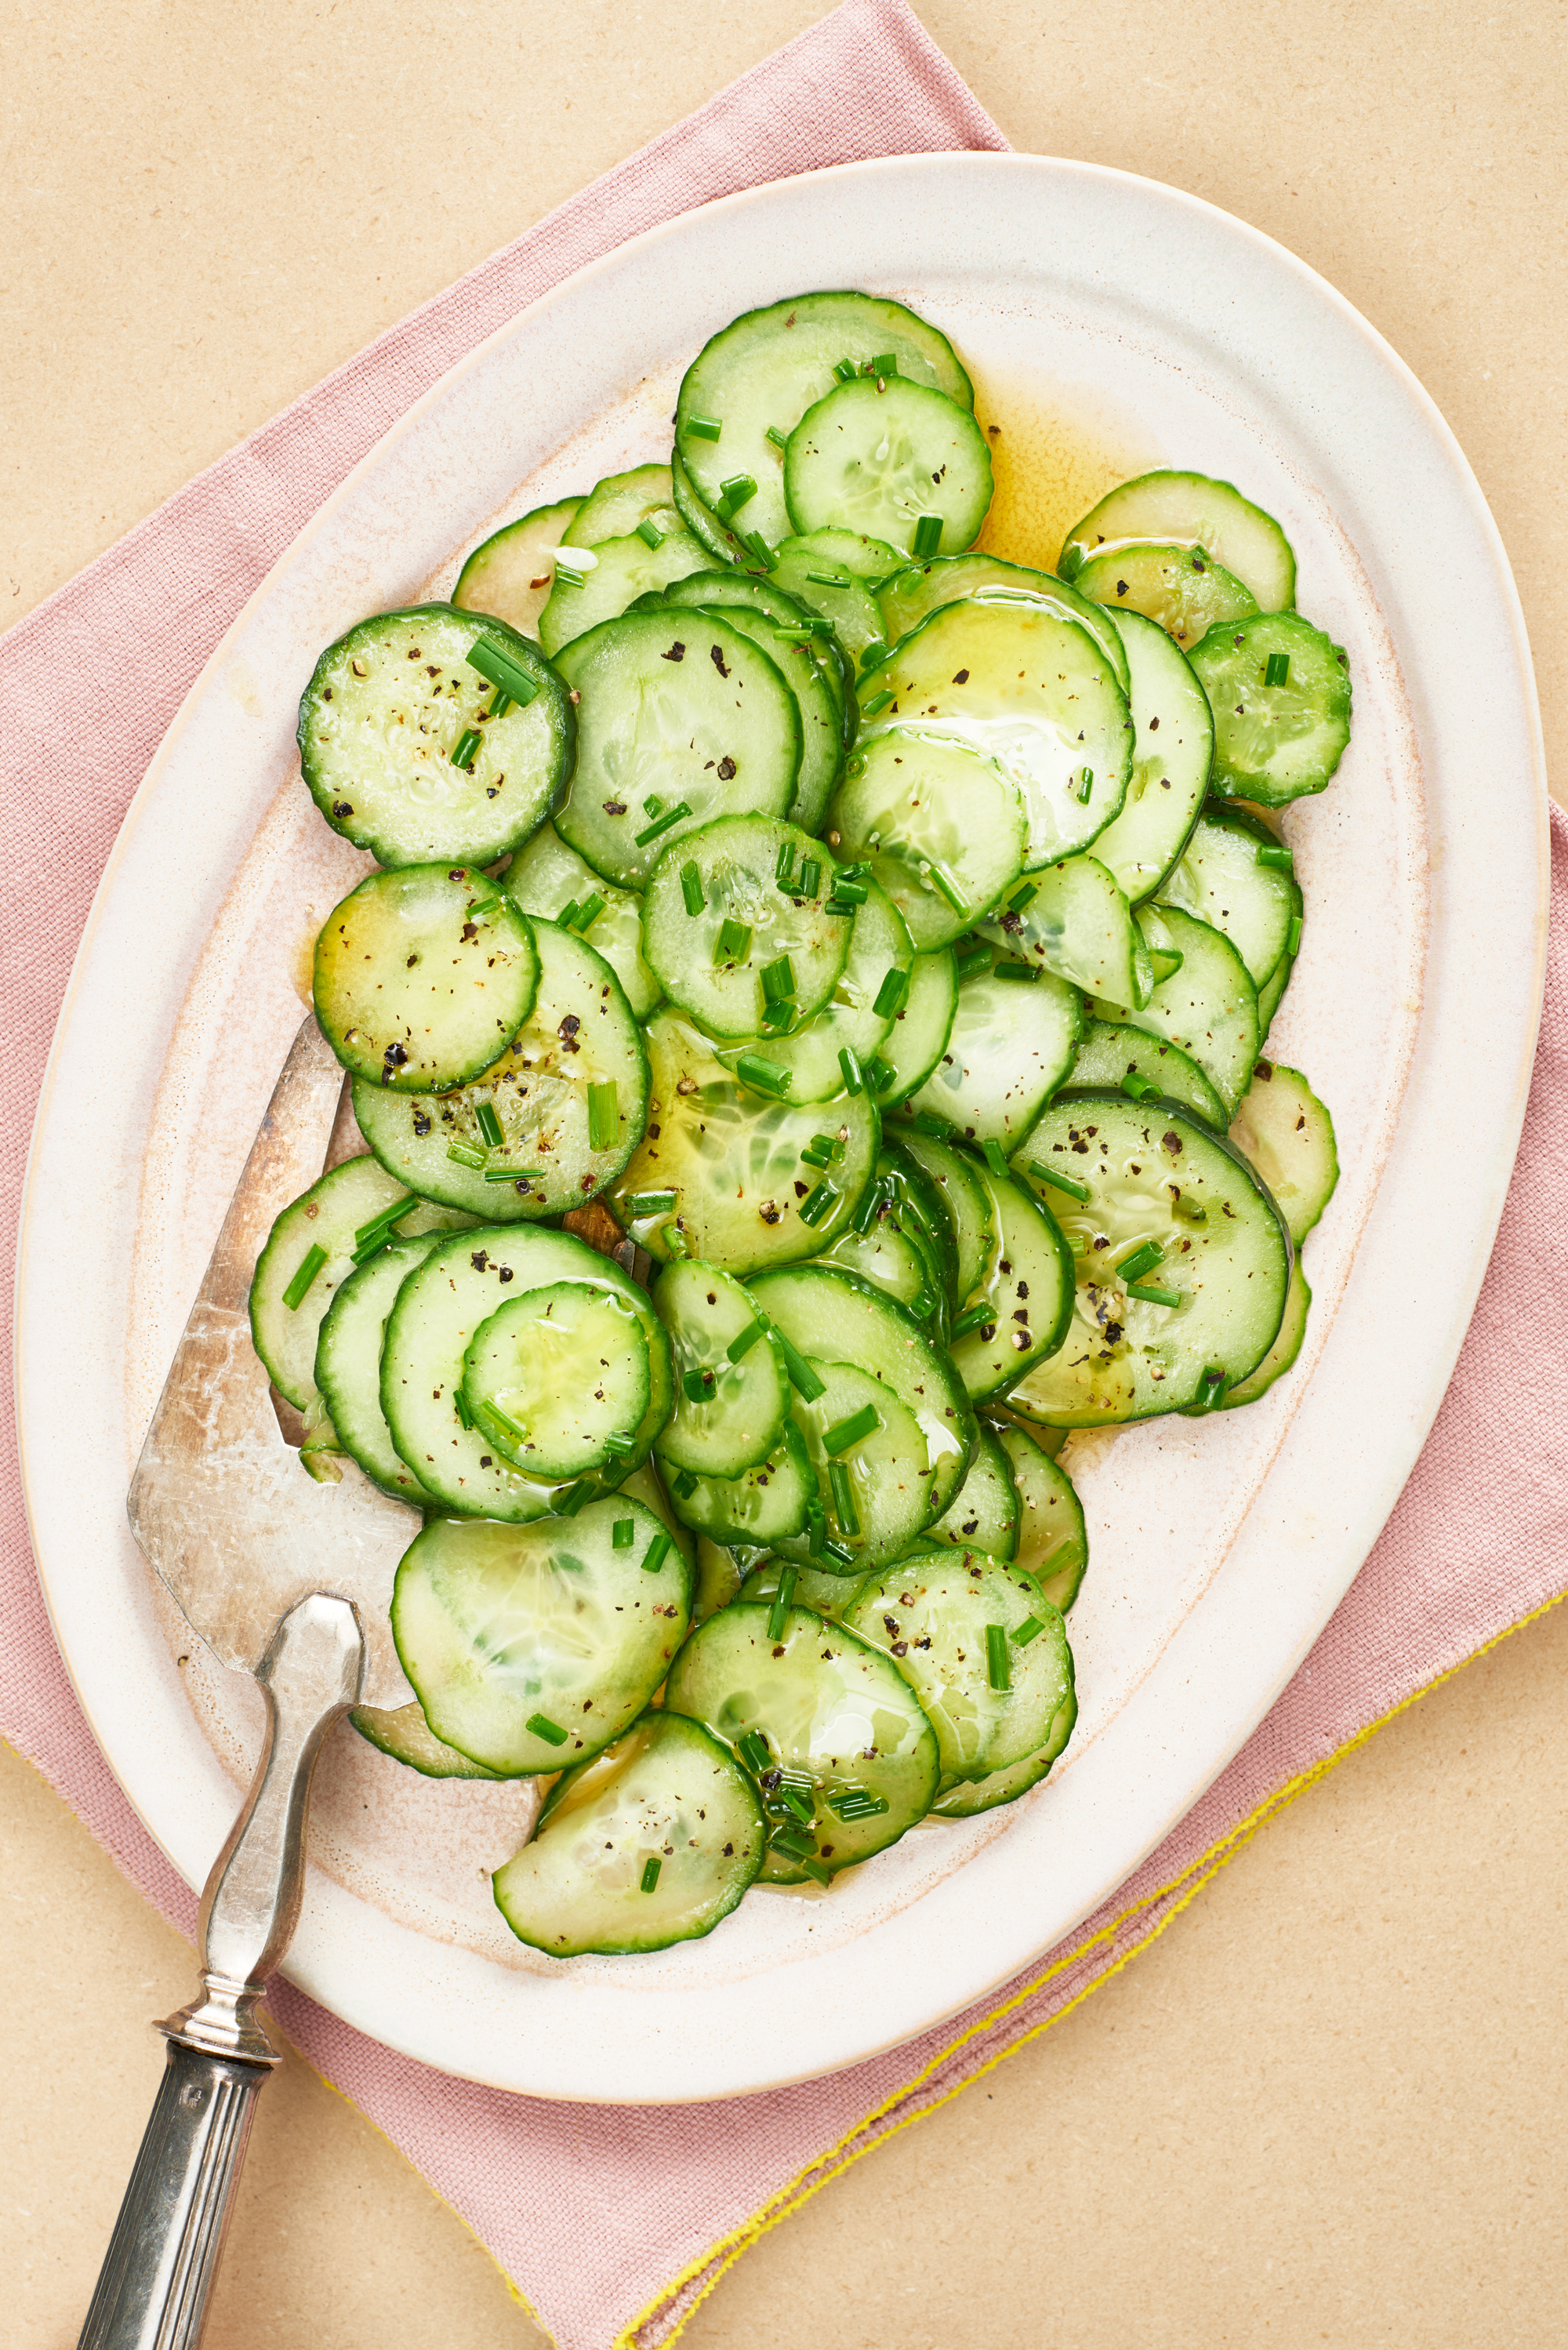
[(632, 2214)]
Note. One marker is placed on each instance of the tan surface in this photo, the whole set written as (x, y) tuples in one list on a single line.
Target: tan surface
[(1325, 2108)]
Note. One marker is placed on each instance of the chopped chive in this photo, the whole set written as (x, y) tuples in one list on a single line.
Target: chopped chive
[(994, 1156), (852, 1080), (567, 914), (846, 370), (1279, 857), (778, 979), (845, 1434), (1136, 1087), (1141, 1261), (795, 1844), (604, 1115), (459, 1405), (1152, 1295), (539, 1725), (649, 1203), (657, 1550), (778, 1018), (928, 537), (1023, 895), (698, 1386), (652, 805), (844, 1508), (1167, 962), (831, 1144), (786, 865), (810, 877), (844, 909), (521, 1176), (941, 879), (818, 1872), (815, 1530), (691, 889), (836, 1552), (1030, 1630), (877, 702), (465, 1155), (704, 428), (568, 1504), (503, 1420), (790, 1797), (1068, 1183), (890, 996), (780, 440), (566, 573), (802, 1377), (874, 652), (782, 1600), (733, 494), (849, 886), (650, 1869), (478, 907), (489, 1124), (925, 1121), (879, 1073), (996, 1670), (819, 1204), (752, 1749), (1277, 669), (468, 743), (755, 543), (1294, 942), (763, 1076), (1211, 1387), (733, 943), (826, 579), (585, 916), (371, 1235), (977, 1317), (813, 1156), (310, 1265), (1085, 785), (677, 815), (623, 1533), (1026, 974), (648, 530), (504, 671), (972, 962), (745, 1340), (885, 363), (499, 707), (865, 1215), (857, 1803), (675, 1240), (684, 1484)]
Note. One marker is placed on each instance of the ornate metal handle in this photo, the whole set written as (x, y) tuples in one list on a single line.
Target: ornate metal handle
[(152, 2289)]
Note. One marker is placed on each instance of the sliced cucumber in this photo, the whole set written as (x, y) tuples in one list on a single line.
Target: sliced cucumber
[(1051, 1541), (385, 714), (1024, 1299), (964, 1798), (966, 1201), (608, 579), (614, 506), (1280, 695), (1206, 1005), (560, 1380), (983, 1515), (721, 542), (512, 573), (732, 1394), (568, 1097), (824, 571), (1179, 587), (549, 879), (1171, 758), (1011, 1045), (920, 588), (1282, 1354), (799, 1697), (872, 1464), (1155, 1178), (421, 975), (1190, 510), (718, 917), (942, 828), (1036, 693), (719, 1575), (896, 460), (1288, 1135), (675, 713), (804, 1586), (1127, 1059), (1270, 996), (1221, 877), (348, 1363), (718, 1173), (403, 1732), (763, 1505), (814, 1055), (1071, 918), (651, 1844), (531, 1648), (869, 560), (894, 1252), (759, 610), (919, 1037)]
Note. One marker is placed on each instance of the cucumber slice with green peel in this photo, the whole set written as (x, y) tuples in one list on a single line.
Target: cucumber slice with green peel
[(897, 1257), (719, 1575), (1180, 586), (1190, 510), (897, 461), (965, 1798), (921, 588), (1127, 1059), (967, 1203), (731, 1393), (421, 975), (949, 1620), (1279, 691), (872, 1465), (1288, 1135), (918, 1035), (389, 707), (1071, 918), (826, 1314), (612, 577), (437, 1311), (568, 1097), (814, 571), (722, 543), (1269, 996), (869, 560), (511, 576), (680, 719), (651, 1844), (719, 1172), (1206, 1005), (983, 1515), (1036, 693), (1024, 1297), (1051, 1541), (1221, 877), (531, 1648), (1157, 1178), (728, 939), (614, 507), (1011, 1045), (875, 971), (548, 879), (763, 1505), (560, 1380), (941, 825), (1282, 1354), (1172, 754), (798, 1700), (403, 1732), (759, 610), (348, 1363), (825, 1595), (759, 375)]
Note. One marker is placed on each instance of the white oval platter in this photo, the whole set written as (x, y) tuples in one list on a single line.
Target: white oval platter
[(1113, 322)]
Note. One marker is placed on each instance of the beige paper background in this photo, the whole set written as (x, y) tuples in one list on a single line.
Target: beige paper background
[(1326, 2107)]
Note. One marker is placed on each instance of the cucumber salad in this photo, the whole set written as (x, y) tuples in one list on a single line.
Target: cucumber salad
[(808, 1025)]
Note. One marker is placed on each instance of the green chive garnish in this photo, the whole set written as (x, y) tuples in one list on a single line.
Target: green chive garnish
[(849, 886), (489, 1124), (657, 1550), (733, 943), (977, 1318), (621, 1445), (503, 1421), (648, 530), (585, 916), (755, 543), (684, 1484), (752, 1749), (675, 1240), (1074, 1189), (1211, 1387), (845, 909), (310, 1265), (803, 1378), (649, 1203), (831, 1146), (783, 1601), (826, 579), (780, 441), (503, 671), (881, 1073), (852, 1080), (819, 1204), (786, 865), (650, 1869), (652, 805), (846, 370), (1030, 1630), (464, 1154), (745, 1340), (972, 962), (604, 1115), (865, 1214), (568, 914), (698, 1386), (539, 1725), (857, 1803), (763, 1076), (499, 707), (885, 363), (1294, 942), (940, 879), (813, 1156), (623, 1533), (875, 652), (996, 1670), (677, 815), (925, 1121), (778, 980), (877, 702), (568, 1504), (1280, 859), (1136, 1087), (1022, 896), (1277, 669), (691, 889), (521, 1176), (994, 1156), (778, 1018), (1026, 972), (845, 1434), (737, 492), (566, 573), (810, 877), (704, 428), (1152, 1295), (795, 1844), (1085, 785), (1142, 1260), (928, 537), (459, 1405), (381, 1227), (468, 744), (889, 997), (844, 1508)]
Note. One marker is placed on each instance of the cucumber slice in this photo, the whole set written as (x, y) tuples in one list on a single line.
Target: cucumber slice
[(872, 1466), (732, 1158), (675, 712), (732, 1395), (1194, 511), (1274, 743), (942, 828), (613, 576), (1269, 996), (348, 1363), (547, 878), (720, 1573), (721, 543), (1010, 1048), (1207, 1005), (1288, 1135), (829, 1316), (920, 588), (803, 1695), (762, 372), (432, 1322), (893, 1254), (825, 1595), (919, 1037), (421, 975), (1111, 1053), (651, 1844), (1035, 692), (717, 917), (762, 1506), (1025, 1295), (1282, 1355), (891, 458), (967, 1203), (560, 1380), (569, 1096), (403, 1732), (1154, 1175), (512, 573), (1071, 918), (992, 1702), (1218, 877), (869, 560), (1180, 586), (530, 1648), (983, 1515), (848, 1022), (1171, 758), (384, 715), (614, 507), (966, 1797), (1051, 1541), (826, 580), (759, 610)]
